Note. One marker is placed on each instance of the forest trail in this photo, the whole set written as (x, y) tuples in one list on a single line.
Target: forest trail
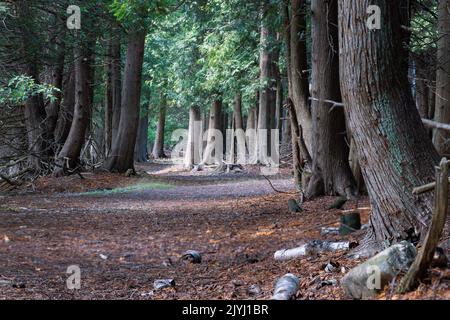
[(124, 233)]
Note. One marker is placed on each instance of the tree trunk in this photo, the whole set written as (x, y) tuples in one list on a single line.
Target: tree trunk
[(296, 162), (193, 152), (66, 110), (267, 95), (68, 158), (331, 173), (214, 146), (121, 158), (56, 79), (34, 106), (158, 146), (299, 65), (441, 138), (116, 84), (394, 152), (251, 136), (422, 85), (238, 135), (108, 99), (141, 149)]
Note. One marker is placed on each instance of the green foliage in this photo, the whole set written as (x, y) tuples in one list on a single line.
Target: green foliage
[(21, 88)]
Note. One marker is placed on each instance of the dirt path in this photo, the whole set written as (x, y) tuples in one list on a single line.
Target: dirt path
[(124, 233)]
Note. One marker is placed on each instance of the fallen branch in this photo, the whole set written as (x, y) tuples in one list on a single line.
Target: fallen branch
[(425, 256), (436, 125)]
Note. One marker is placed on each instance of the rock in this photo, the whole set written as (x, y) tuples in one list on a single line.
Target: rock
[(163, 283), (294, 207), (331, 267), (192, 256), (338, 204), (440, 260), (103, 257), (350, 222), (254, 290), (129, 173), (286, 287), (325, 283), (369, 278)]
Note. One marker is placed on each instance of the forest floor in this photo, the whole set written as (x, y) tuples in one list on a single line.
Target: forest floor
[(126, 232)]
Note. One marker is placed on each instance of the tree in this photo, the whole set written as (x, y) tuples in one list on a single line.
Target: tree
[(141, 149), (158, 146), (68, 158), (193, 152), (441, 138), (331, 174), (299, 67), (122, 153), (394, 151)]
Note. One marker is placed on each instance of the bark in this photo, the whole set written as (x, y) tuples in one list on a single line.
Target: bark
[(193, 150), (299, 66), (394, 152), (422, 85), (141, 150), (251, 137), (331, 173), (214, 146), (67, 107), (68, 158), (441, 138), (238, 135), (267, 95), (34, 106), (56, 79), (121, 158), (296, 162), (108, 100), (158, 146), (116, 85)]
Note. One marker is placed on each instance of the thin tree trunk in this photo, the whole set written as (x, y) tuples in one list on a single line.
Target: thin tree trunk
[(193, 152), (214, 146), (395, 154), (299, 65), (116, 84), (67, 108), (108, 99), (68, 158), (266, 98), (140, 150), (158, 146), (251, 136), (56, 79), (121, 158), (296, 162), (331, 173), (441, 138), (34, 106)]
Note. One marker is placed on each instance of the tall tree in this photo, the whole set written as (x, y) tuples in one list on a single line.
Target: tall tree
[(394, 151), (441, 138), (158, 146), (122, 153), (331, 174), (141, 148), (299, 67), (68, 158)]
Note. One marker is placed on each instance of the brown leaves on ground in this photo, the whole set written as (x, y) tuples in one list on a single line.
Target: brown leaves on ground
[(124, 241)]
